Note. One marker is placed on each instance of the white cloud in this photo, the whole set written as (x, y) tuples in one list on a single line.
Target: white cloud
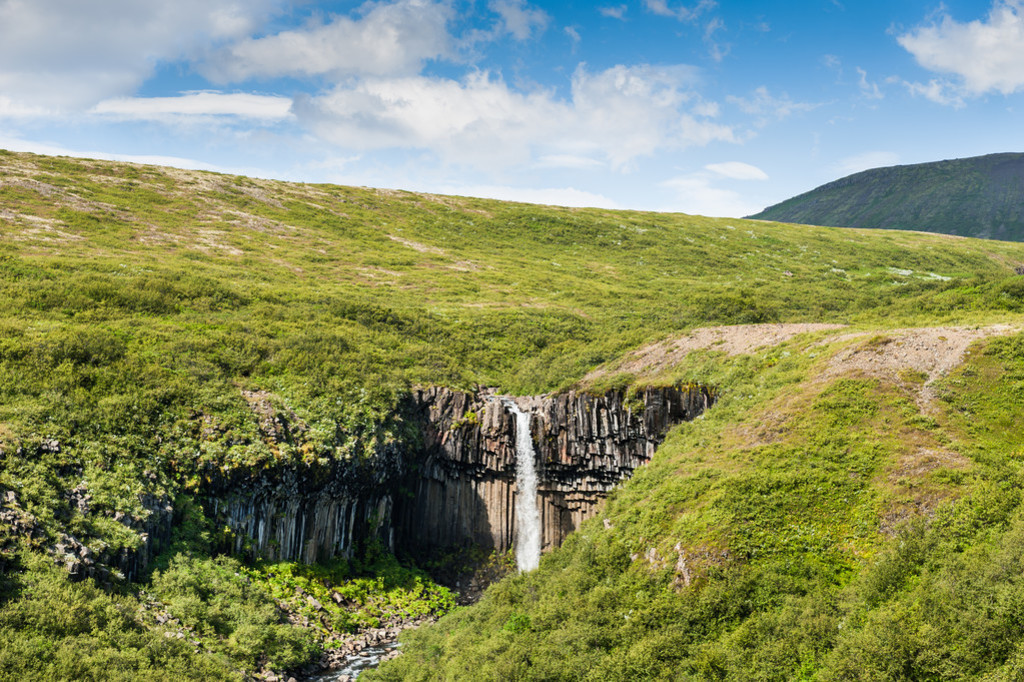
[(574, 36), (737, 170), (868, 89), (681, 12), (518, 18), (765, 106), (568, 161), (938, 91), (19, 145), (860, 162), (987, 56), (241, 105), (479, 118), (10, 108), (387, 39), (67, 53), (697, 194), (554, 196), (716, 50), (613, 116), (628, 112), (616, 12)]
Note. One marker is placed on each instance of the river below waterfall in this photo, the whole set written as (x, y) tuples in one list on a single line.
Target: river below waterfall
[(370, 657)]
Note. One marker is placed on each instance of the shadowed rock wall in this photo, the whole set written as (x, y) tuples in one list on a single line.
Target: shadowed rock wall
[(310, 513), (456, 487), (462, 490)]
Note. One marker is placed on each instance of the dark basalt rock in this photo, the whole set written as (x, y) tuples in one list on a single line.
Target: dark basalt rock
[(455, 486), (462, 490), (452, 486)]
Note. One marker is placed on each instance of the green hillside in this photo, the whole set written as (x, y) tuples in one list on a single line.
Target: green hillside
[(979, 197), (849, 509)]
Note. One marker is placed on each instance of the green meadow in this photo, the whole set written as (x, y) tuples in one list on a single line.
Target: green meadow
[(841, 514)]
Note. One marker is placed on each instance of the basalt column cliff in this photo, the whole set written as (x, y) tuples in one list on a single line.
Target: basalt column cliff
[(455, 485), (462, 490)]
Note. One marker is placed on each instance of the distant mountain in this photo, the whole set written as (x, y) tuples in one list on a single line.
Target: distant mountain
[(982, 196)]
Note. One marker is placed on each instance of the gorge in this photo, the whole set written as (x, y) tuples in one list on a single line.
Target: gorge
[(456, 485)]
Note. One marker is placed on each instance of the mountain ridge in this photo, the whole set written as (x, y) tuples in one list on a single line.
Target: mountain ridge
[(981, 197)]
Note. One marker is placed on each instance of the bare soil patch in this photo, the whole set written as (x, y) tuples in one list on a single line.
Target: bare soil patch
[(930, 351), (732, 340), (416, 246)]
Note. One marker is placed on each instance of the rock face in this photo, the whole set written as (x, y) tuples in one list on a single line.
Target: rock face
[(287, 520), (313, 513), (462, 489), (456, 487)]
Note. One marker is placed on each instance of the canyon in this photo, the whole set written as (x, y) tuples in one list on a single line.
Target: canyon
[(454, 485)]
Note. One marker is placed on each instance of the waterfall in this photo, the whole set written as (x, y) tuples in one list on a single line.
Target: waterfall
[(527, 512)]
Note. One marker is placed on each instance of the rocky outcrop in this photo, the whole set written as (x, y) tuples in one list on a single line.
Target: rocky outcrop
[(462, 490), (305, 525), (150, 527), (454, 486), (310, 513), (446, 480)]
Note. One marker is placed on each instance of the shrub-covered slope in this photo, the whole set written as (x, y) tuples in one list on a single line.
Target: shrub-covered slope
[(980, 197), (151, 319), (832, 518)]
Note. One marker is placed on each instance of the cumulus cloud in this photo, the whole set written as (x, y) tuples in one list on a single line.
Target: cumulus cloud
[(716, 50), (984, 55), (613, 117), (633, 111), (461, 120), (58, 54), (937, 90), (240, 105), (680, 12), (10, 108), (16, 144), (518, 18), (765, 106), (568, 161), (613, 12), (387, 39), (737, 170), (701, 193), (869, 89), (574, 36), (697, 194)]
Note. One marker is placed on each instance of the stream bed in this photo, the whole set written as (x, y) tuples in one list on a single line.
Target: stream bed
[(370, 657)]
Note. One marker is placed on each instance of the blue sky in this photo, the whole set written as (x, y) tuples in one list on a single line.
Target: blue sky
[(716, 108)]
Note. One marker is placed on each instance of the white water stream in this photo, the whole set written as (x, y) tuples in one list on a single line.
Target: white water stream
[(369, 657), (527, 512)]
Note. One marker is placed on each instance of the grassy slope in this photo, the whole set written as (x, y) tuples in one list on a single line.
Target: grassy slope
[(974, 197), (801, 530), (138, 303)]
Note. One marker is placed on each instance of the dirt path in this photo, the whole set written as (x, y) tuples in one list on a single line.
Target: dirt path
[(889, 354), (732, 340), (931, 351)]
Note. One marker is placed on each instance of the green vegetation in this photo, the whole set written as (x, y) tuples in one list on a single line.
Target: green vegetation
[(975, 197), (844, 549), (164, 333), (373, 591)]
